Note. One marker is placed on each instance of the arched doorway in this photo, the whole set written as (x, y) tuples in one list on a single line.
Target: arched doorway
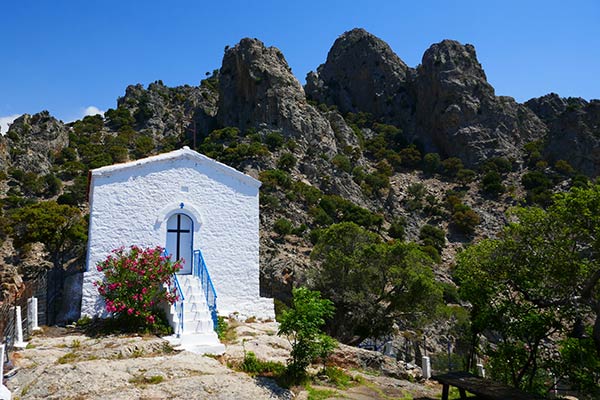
[(180, 230)]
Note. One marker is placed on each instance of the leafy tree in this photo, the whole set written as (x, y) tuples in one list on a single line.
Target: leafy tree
[(371, 283), (539, 281), (302, 324), (61, 228)]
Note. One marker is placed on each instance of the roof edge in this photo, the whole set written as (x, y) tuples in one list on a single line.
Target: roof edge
[(184, 152)]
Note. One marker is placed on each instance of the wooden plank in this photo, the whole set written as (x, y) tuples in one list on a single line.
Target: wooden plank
[(483, 388)]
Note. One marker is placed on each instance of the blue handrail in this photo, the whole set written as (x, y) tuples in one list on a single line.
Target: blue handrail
[(200, 270), (179, 302)]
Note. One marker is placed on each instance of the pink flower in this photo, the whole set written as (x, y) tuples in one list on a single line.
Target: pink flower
[(130, 311)]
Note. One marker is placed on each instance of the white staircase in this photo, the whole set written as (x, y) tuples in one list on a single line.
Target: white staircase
[(198, 335)]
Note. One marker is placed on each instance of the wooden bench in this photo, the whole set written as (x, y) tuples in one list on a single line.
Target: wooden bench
[(483, 388)]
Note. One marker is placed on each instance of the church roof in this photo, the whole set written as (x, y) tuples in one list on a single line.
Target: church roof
[(183, 153)]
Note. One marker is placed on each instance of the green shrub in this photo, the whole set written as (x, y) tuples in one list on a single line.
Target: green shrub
[(286, 162), (252, 365), (410, 156), (283, 226), (397, 229), (432, 163), (433, 236), (342, 162), (274, 178), (465, 176), (274, 140), (491, 183), (564, 167), (451, 166), (466, 221)]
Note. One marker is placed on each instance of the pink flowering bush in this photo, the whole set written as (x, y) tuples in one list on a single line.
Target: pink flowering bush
[(136, 281)]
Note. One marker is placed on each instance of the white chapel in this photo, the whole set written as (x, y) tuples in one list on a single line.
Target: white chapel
[(201, 211)]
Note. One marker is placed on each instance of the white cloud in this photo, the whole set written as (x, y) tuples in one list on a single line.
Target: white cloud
[(6, 121), (92, 110)]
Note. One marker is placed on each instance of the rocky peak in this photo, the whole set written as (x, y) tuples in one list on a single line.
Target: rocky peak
[(454, 63), (573, 130), (257, 90), (458, 114), (34, 139), (361, 73)]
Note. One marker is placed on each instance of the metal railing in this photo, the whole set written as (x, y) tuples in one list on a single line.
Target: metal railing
[(199, 269), (179, 306), (179, 302)]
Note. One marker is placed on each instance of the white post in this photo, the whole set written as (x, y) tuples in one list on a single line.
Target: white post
[(19, 343), (480, 370), (4, 392), (426, 366), (32, 314)]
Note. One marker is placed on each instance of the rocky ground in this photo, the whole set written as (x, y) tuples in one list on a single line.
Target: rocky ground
[(67, 364)]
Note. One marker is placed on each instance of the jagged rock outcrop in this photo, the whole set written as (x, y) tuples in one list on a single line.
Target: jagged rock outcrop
[(257, 90), (446, 104), (362, 73), (574, 130), (162, 111), (33, 140), (458, 114)]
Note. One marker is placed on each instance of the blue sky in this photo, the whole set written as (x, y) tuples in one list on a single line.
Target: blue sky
[(66, 56)]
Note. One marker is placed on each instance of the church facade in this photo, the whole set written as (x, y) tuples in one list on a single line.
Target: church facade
[(197, 208)]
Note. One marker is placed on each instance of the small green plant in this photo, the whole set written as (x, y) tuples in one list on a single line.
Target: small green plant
[(319, 394), (146, 380), (336, 377), (67, 358), (75, 344), (252, 365), (302, 324)]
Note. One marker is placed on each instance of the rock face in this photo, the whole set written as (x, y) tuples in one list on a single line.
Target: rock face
[(163, 112), (446, 104), (458, 113), (362, 73), (257, 90), (33, 141), (574, 130)]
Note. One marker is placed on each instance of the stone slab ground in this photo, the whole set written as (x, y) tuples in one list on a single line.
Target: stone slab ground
[(66, 364)]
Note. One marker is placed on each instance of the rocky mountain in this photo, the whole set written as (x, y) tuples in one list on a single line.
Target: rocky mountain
[(368, 139), (445, 104)]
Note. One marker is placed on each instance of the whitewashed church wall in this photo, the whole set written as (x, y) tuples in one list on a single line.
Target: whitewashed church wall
[(129, 207)]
